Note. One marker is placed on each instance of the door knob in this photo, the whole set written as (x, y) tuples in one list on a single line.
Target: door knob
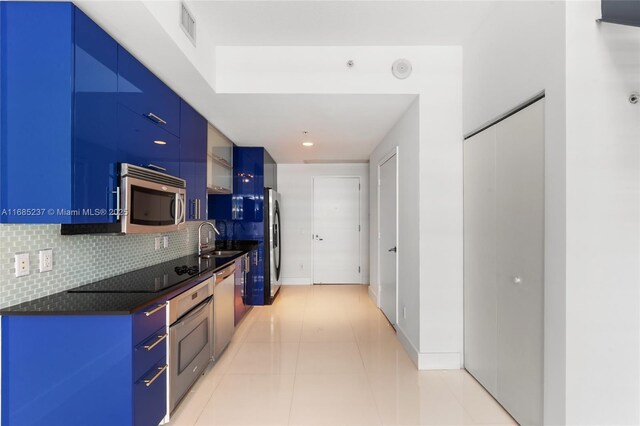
[(393, 249), (318, 238)]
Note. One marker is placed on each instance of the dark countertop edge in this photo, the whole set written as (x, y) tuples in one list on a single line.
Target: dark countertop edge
[(162, 296)]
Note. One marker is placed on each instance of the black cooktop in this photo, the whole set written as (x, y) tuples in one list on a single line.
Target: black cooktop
[(152, 279)]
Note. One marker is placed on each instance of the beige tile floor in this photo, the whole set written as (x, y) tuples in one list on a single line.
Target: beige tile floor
[(325, 355)]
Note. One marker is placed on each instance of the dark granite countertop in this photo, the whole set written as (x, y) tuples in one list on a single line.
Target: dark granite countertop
[(130, 292)]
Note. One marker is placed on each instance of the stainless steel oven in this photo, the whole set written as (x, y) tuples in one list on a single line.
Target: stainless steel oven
[(191, 322), (150, 201)]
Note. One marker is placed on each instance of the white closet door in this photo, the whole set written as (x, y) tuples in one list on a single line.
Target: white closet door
[(480, 298), (520, 262)]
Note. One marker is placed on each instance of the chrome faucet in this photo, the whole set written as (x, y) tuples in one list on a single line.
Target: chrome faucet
[(200, 245)]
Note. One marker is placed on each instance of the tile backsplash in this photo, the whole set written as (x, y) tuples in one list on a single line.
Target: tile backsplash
[(79, 259)]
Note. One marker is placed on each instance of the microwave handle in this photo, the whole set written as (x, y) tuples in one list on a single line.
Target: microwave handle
[(181, 209)]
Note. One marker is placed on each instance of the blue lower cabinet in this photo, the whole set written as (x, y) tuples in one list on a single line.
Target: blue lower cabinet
[(82, 370), (255, 284), (149, 351), (149, 395)]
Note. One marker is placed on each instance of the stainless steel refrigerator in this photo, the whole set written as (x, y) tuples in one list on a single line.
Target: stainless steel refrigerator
[(272, 243)]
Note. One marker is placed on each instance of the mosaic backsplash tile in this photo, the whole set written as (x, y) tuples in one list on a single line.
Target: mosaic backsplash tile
[(79, 259)]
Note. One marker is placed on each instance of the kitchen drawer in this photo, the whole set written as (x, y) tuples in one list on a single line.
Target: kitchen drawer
[(148, 320), (149, 352), (144, 144), (150, 396), (146, 94)]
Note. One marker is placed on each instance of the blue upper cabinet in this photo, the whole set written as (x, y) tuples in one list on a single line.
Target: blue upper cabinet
[(248, 185), (74, 104), (193, 156), (146, 94), (95, 153), (36, 111), (142, 143)]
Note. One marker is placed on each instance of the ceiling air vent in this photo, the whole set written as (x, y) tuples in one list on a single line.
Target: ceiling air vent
[(188, 23)]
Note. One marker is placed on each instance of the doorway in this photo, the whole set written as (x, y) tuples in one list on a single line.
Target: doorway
[(336, 230), (388, 237)]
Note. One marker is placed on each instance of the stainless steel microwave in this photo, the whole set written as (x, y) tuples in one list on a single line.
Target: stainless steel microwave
[(147, 201), (150, 201)]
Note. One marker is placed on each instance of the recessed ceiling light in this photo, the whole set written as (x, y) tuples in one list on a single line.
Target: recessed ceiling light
[(307, 143), (160, 142)]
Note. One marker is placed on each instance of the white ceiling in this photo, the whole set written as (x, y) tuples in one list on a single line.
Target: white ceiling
[(346, 23), (342, 127)]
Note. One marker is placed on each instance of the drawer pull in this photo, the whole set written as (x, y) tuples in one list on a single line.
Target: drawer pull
[(156, 343), (149, 382), (155, 118), (156, 309)]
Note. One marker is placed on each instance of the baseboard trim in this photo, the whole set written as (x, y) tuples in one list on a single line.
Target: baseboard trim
[(429, 360), (440, 361), (373, 296), (408, 346), (296, 281)]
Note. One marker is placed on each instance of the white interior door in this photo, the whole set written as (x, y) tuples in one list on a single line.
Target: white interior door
[(388, 202), (336, 230)]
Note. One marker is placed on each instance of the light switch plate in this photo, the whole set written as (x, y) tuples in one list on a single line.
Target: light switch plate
[(22, 264), (46, 260)]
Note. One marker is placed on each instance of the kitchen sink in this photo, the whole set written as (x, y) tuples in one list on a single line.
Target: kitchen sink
[(220, 253)]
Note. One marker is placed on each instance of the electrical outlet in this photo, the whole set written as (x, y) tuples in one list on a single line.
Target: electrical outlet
[(404, 312), (22, 264), (46, 260), (165, 241), (158, 241)]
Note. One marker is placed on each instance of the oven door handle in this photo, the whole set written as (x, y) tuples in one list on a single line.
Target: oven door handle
[(193, 313)]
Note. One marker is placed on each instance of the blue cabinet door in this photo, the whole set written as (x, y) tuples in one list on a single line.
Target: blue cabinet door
[(142, 143), (248, 186), (193, 160), (36, 111), (146, 94), (150, 396), (66, 370), (95, 136)]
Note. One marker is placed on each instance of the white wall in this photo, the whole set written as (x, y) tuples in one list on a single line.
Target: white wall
[(603, 220), (433, 327), (406, 136), (295, 183), (517, 52)]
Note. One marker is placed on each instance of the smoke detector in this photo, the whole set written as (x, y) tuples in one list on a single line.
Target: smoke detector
[(401, 68)]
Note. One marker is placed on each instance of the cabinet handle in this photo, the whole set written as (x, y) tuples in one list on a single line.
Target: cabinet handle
[(156, 309), (155, 118), (149, 382), (198, 208), (154, 166), (156, 343), (117, 192)]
